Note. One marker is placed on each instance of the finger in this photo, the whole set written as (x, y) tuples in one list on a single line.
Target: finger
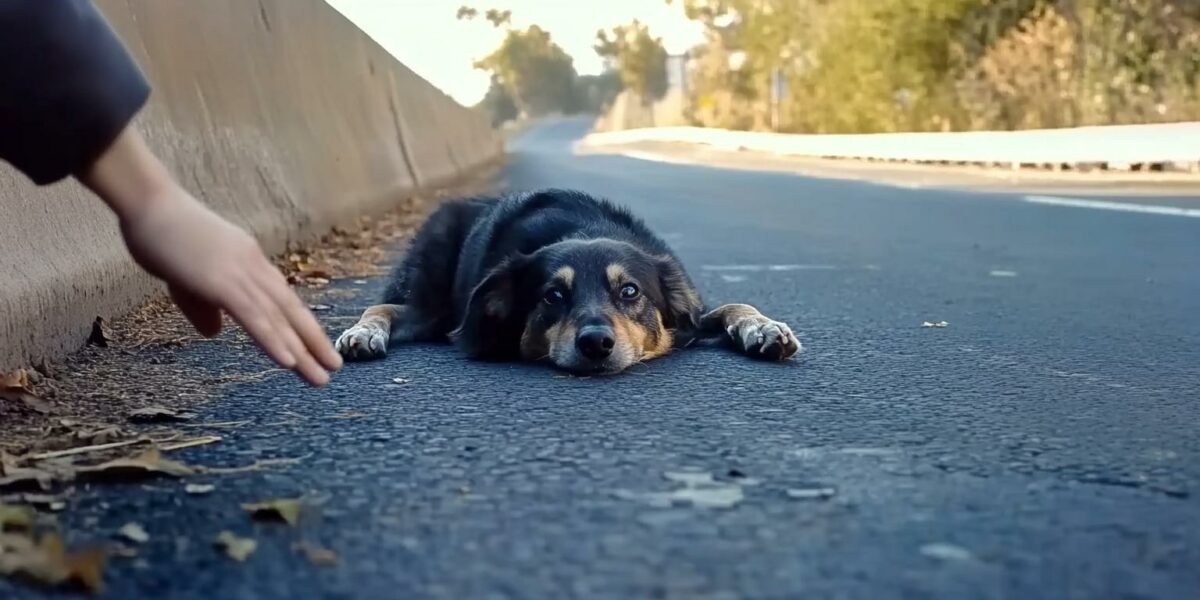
[(205, 317), (257, 322), (303, 322), (306, 366)]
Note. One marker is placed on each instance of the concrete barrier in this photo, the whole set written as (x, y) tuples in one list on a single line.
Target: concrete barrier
[(280, 114)]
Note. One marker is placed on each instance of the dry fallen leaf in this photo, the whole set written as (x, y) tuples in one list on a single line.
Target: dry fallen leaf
[(15, 518), (237, 548), (21, 479), (197, 489), (285, 510), (317, 555), (15, 379), (134, 533), (100, 335), (145, 465), (14, 387), (103, 435), (47, 562), (40, 501), (157, 414)]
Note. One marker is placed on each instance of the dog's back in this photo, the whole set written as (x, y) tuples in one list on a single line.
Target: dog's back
[(464, 239)]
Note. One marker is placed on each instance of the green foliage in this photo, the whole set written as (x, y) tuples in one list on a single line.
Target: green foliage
[(595, 93), (639, 57), (498, 104), (892, 65), (537, 74)]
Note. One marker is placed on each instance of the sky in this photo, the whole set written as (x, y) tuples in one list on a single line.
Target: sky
[(426, 37)]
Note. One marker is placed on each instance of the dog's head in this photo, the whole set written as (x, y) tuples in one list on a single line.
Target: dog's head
[(587, 306)]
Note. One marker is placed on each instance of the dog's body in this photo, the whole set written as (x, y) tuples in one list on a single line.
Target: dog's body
[(551, 275)]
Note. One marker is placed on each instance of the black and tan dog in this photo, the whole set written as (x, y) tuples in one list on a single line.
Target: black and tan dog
[(555, 276)]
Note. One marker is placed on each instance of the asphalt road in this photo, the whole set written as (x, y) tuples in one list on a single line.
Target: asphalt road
[(1045, 444)]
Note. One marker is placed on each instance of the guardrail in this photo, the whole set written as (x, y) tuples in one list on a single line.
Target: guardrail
[(1169, 146)]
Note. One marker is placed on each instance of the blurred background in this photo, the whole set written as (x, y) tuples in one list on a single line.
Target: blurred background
[(811, 66)]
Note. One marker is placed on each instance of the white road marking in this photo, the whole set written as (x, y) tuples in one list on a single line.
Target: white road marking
[(768, 267), (1174, 211)]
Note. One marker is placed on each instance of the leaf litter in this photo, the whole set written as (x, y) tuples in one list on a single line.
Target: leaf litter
[(146, 465), (46, 561), (235, 547), (316, 555), (98, 383), (158, 414), (15, 387), (16, 518), (284, 510)]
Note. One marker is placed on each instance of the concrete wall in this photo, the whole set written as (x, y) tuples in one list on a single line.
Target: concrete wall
[(628, 112), (280, 114)]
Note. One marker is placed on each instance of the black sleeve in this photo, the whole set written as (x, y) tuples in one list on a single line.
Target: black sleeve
[(67, 86)]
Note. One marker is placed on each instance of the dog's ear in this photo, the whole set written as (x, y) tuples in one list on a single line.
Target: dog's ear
[(683, 304), (491, 325)]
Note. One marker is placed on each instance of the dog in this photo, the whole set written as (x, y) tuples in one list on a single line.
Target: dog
[(553, 276)]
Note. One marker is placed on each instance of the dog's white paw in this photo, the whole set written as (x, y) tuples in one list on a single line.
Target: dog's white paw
[(761, 337), (364, 341)]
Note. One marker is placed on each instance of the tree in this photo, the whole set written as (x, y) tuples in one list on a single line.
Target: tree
[(498, 104), (595, 93), (537, 73), (498, 18), (912, 65), (638, 56)]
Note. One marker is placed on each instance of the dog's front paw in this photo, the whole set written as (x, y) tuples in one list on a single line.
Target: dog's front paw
[(364, 341), (761, 337)]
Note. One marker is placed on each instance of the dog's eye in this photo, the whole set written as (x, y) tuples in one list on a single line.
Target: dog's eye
[(554, 296), (629, 292)]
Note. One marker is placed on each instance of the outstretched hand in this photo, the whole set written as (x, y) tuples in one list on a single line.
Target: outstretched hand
[(210, 265)]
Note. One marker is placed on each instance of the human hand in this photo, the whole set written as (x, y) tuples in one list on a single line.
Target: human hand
[(209, 264)]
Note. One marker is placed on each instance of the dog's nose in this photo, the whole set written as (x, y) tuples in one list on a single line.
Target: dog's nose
[(595, 342)]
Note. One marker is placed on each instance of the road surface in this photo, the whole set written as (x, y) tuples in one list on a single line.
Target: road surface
[(1044, 444)]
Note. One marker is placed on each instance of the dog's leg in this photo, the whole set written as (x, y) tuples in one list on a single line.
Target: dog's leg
[(751, 332), (379, 326)]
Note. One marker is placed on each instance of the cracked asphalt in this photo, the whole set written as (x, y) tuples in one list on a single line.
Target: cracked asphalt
[(1042, 445)]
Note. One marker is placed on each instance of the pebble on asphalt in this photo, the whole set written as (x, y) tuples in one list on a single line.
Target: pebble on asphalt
[(946, 552), (819, 493)]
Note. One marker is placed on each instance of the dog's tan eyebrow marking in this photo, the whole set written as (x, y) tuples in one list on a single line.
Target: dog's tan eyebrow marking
[(566, 275), (616, 275)]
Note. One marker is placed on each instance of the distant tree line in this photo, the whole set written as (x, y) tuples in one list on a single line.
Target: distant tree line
[(834, 66), (532, 76)]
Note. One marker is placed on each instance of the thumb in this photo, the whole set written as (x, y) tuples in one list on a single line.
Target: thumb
[(205, 317)]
